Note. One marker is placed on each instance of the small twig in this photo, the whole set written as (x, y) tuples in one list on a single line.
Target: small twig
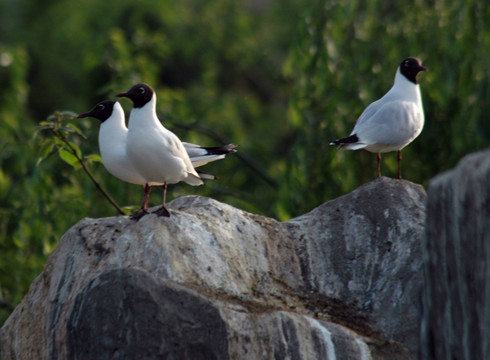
[(90, 175), (215, 136)]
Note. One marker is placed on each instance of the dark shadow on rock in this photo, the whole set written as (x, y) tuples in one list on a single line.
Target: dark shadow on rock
[(126, 314)]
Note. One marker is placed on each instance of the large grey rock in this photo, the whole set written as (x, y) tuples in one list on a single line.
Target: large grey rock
[(364, 249), (215, 282), (456, 297)]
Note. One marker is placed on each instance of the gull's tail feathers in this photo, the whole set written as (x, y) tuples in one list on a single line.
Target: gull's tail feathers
[(201, 155), (351, 143)]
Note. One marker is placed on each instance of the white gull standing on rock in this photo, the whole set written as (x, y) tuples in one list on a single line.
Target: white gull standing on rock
[(392, 122), (113, 135)]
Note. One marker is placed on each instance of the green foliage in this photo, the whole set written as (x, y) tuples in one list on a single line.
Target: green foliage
[(344, 58), (278, 78), (60, 141)]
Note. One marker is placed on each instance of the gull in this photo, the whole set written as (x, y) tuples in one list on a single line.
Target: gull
[(155, 152), (113, 135), (392, 122)]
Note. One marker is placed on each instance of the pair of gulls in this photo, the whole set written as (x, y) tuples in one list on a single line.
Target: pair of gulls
[(145, 152), (148, 154)]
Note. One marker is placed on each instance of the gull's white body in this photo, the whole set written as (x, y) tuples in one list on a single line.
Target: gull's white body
[(156, 153), (391, 122), (113, 135)]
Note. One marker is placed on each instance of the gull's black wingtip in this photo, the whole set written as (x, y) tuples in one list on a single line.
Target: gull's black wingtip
[(348, 140), (220, 150)]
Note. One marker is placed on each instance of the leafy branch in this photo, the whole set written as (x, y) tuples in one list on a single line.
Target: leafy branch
[(60, 130)]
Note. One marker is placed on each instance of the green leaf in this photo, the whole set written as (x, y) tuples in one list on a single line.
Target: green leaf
[(58, 141), (76, 149), (48, 124), (93, 158), (76, 129), (69, 158), (45, 151)]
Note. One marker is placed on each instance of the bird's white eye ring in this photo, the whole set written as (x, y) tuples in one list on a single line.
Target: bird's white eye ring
[(410, 62), (141, 90), (101, 107)]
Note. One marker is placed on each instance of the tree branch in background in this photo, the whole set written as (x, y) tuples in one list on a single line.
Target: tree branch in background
[(215, 136)]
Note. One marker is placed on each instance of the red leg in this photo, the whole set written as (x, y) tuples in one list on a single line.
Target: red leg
[(144, 207), (399, 176), (164, 193), (163, 211), (147, 195), (379, 164)]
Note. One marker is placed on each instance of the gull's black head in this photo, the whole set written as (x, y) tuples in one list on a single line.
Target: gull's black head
[(101, 111), (140, 94), (410, 67)]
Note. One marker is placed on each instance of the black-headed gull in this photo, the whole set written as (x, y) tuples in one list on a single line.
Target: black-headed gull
[(392, 122), (112, 145), (155, 152)]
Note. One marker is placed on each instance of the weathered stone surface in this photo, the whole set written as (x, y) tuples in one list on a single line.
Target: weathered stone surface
[(364, 249), (127, 314), (215, 282), (456, 296)]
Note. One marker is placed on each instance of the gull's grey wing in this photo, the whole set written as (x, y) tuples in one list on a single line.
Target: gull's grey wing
[(393, 123)]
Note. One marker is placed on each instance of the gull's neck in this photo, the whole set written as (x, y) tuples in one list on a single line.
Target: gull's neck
[(405, 89), (113, 134), (116, 121), (145, 115)]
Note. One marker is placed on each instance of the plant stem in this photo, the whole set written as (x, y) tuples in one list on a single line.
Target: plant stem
[(90, 175)]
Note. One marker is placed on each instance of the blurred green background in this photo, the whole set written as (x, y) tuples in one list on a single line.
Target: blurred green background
[(279, 78)]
